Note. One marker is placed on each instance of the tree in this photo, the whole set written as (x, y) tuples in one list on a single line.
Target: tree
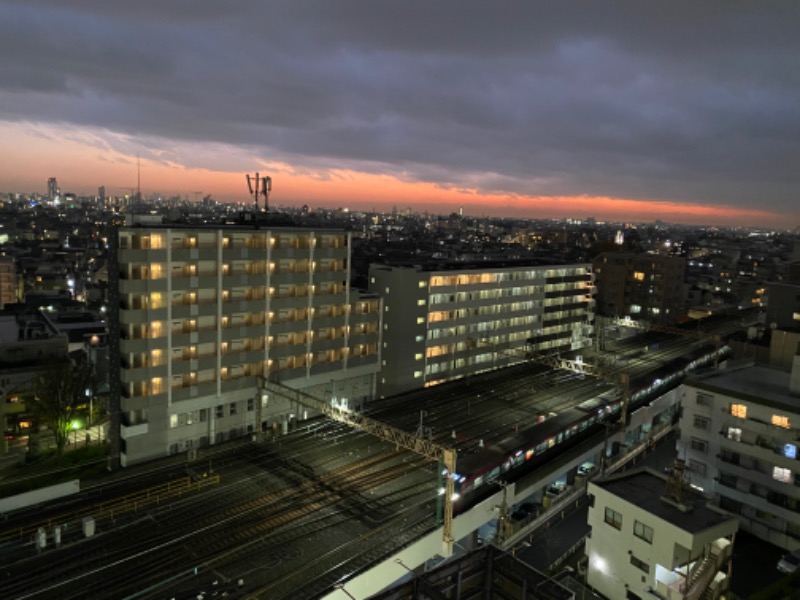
[(58, 390)]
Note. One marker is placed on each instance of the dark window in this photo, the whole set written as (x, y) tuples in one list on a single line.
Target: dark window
[(640, 564), (613, 518), (642, 531)]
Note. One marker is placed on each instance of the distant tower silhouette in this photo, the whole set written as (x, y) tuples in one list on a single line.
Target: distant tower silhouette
[(52, 189)]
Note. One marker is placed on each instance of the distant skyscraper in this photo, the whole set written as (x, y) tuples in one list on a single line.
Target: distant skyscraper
[(52, 189), (101, 194)]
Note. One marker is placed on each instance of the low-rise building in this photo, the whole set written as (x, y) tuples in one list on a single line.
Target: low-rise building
[(740, 434), (649, 533)]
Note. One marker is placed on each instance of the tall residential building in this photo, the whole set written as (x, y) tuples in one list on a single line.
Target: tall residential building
[(445, 322), (204, 314), (8, 281), (651, 537), (739, 432), (641, 286)]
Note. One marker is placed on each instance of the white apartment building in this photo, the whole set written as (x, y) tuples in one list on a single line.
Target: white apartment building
[(445, 322), (740, 433), (652, 535), (205, 313)]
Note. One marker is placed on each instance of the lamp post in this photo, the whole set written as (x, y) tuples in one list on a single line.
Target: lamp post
[(75, 425)]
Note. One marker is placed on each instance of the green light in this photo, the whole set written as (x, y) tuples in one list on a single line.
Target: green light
[(75, 425)]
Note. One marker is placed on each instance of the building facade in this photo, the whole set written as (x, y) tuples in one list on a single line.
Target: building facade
[(441, 324), (8, 281), (204, 314), (739, 433), (641, 286), (648, 536)]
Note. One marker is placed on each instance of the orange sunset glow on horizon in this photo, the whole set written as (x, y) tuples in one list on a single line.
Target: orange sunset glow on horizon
[(81, 165)]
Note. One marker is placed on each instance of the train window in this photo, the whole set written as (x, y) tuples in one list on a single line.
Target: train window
[(551, 442), (493, 474), (479, 481), (519, 459), (529, 454), (541, 448), (560, 438)]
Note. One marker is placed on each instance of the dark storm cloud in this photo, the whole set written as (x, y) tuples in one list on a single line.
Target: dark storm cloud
[(688, 101)]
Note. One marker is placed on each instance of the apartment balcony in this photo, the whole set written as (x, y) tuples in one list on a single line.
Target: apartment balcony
[(780, 435), (235, 305), (328, 252), (769, 504), (206, 252), (362, 361), (277, 278), (186, 311), (754, 475), (180, 393), (140, 345), (142, 286), (142, 256), (763, 452), (126, 432), (321, 344), (141, 316), (288, 302), (132, 375), (241, 357)]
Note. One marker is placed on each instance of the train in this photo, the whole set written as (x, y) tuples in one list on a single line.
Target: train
[(521, 453)]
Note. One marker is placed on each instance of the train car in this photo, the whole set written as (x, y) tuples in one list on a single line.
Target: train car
[(523, 452)]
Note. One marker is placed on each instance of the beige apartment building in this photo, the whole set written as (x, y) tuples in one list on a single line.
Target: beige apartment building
[(442, 323), (206, 313)]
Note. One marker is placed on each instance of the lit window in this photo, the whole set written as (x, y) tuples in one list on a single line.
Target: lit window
[(418, 356), (421, 302), (422, 284), (613, 518), (417, 374), (780, 421), (419, 338), (642, 531), (739, 410), (781, 474), (638, 276), (173, 421), (735, 434), (635, 308), (790, 451), (420, 320)]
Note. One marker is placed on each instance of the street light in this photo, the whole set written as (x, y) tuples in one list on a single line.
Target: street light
[(75, 425)]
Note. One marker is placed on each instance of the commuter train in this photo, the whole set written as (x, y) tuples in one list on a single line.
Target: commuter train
[(523, 452)]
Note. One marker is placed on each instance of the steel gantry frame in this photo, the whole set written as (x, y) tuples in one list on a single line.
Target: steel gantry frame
[(400, 438)]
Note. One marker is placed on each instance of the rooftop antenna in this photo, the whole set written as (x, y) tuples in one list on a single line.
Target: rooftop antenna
[(260, 186)]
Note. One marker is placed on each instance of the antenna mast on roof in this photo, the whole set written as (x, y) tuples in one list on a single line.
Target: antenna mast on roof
[(260, 186)]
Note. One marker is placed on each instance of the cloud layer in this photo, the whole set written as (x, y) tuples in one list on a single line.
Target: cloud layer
[(680, 102)]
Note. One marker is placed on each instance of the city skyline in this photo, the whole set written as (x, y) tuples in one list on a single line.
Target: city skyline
[(622, 112)]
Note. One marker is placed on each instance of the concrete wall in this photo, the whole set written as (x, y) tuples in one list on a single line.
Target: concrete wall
[(38, 496)]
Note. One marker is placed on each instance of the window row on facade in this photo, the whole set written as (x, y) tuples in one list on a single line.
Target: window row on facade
[(183, 240)]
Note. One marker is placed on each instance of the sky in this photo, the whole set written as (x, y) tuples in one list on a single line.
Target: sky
[(688, 112)]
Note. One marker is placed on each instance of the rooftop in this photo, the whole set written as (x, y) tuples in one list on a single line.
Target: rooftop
[(763, 385), (646, 488)]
